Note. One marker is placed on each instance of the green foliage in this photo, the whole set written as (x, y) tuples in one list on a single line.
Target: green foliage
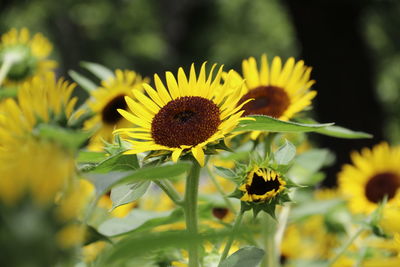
[(82, 81), (138, 220), (247, 256), (127, 193), (285, 154), (105, 181), (100, 71), (71, 139), (269, 124)]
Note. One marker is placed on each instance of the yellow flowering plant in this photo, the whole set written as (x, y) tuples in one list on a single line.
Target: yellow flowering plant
[(162, 171)]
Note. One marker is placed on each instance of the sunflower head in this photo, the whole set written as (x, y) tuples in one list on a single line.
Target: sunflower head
[(105, 102), (26, 55), (278, 91), (188, 115), (261, 185), (42, 109), (373, 175)]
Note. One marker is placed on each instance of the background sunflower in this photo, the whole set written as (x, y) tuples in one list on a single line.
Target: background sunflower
[(105, 101), (373, 174)]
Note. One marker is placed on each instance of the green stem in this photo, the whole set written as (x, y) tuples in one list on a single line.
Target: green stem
[(235, 227), (170, 190), (190, 208), (269, 232), (343, 249), (283, 219), (221, 191), (269, 139)]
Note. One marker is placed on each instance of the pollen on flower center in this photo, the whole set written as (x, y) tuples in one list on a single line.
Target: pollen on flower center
[(381, 185), (259, 186), (268, 100), (109, 114), (188, 120)]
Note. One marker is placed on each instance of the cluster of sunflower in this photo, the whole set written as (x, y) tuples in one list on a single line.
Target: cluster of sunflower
[(206, 168)]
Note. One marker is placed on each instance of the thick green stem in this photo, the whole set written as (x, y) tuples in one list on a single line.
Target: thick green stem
[(170, 190), (343, 249), (221, 191), (235, 227), (190, 207), (269, 232)]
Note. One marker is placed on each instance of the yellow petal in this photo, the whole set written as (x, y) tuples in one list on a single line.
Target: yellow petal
[(198, 154), (176, 154)]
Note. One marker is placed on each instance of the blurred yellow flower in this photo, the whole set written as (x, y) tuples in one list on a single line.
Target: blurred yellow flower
[(41, 100), (29, 55), (40, 169), (105, 101), (373, 174)]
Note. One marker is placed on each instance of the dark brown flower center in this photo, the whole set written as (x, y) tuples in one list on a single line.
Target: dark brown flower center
[(259, 186), (381, 185), (188, 120), (268, 100), (220, 213), (109, 114)]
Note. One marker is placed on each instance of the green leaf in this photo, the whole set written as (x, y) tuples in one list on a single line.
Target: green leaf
[(90, 157), (127, 193), (225, 172), (98, 70), (307, 164), (269, 124), (135, 219), (313, 207), (341, 132), (159, 172), (66, 137), (105, 181), (82, 81), (118, 162), (146, 243), (247, 256), (338, 131), (285, 153), (92, 235)]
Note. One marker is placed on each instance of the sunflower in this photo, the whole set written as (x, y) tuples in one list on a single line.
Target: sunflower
[(277, 92), (189, 115), (27, 54), (261, 184), (43, 99), (105, 101), (373, 174)]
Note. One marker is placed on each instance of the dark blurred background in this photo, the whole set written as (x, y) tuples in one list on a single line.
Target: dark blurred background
[(353, 47)]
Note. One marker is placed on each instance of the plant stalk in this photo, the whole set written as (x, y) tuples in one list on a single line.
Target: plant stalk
[(170, 190), (343, 249), (235, 227), (269, 233), (190, 208)]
